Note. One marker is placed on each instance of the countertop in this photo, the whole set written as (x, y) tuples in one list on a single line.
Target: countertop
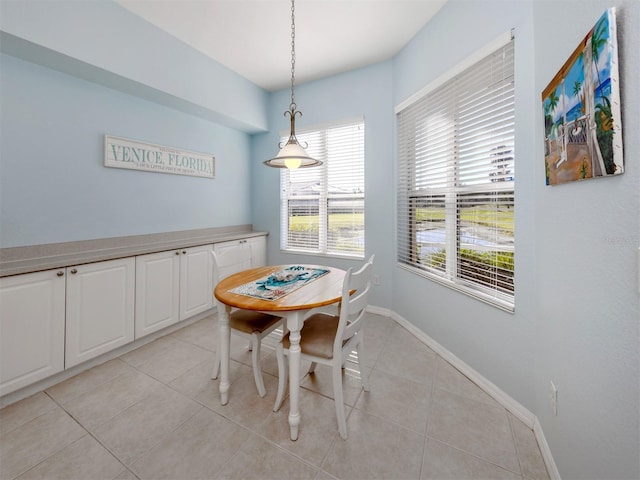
[(18, 260)]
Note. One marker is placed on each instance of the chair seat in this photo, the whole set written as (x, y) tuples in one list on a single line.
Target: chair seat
[(317, 335), (248, 321)]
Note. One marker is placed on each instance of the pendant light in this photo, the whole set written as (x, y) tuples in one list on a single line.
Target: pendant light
[(292, 155)]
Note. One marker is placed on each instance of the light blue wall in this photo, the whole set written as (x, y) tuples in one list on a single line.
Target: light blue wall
[(72, 72), (499, 345), (587, 237), (105, 43), (577, 306), (53, 183), (364, 93)]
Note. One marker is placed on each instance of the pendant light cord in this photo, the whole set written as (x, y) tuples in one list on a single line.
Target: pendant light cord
[(292, 106), (292, 154)]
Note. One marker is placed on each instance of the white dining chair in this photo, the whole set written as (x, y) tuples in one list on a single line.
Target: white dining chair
[(330, 339), (246, 323)]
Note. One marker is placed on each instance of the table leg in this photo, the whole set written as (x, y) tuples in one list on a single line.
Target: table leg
[(294, 324), (225, 340)]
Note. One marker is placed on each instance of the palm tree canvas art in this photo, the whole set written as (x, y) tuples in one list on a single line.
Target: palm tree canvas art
[(582, 120)]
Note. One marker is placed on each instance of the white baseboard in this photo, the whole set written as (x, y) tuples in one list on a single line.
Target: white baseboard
[(385, 312), (554, 474), (511, 405)]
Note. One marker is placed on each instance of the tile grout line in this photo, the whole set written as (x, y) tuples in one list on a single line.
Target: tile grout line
[(430, 409), (484, 460), (248, 429), (336, 437), (515, 443), (88, 432), (86, 372), (20, 425), (261, 436), (106, 447)]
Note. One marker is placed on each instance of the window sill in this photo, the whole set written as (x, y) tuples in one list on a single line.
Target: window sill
[(502, 304), (327, 255)]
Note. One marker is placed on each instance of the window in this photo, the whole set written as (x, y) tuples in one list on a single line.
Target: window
[(322, 208), (456, 178)]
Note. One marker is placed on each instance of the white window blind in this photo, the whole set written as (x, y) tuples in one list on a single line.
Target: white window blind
[(456, 180), (322, 208)]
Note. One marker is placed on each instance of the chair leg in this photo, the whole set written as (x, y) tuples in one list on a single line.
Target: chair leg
[(216, 364), (312, 367), (361, 365), (255, 360), (283, 374), (339, 399)]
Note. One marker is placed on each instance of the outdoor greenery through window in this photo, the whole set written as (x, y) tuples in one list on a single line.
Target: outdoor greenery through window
[(322, 208), (456, 178)]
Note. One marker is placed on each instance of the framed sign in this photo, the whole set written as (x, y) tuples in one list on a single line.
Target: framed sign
[(134, 155), (582, 117)]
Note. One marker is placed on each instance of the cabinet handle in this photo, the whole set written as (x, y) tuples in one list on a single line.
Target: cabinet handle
[(74, 271), (60, 274), (184, 252), (177, 253)]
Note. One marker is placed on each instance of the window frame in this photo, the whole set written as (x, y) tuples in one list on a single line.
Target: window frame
[(452, 192), (324, 197)]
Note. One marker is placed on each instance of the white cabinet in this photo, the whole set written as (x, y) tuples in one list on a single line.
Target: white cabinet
[(196, 280), (175, 285), (39, 336), (57, 319), (100, 308), (157, 291), (258, 246), (172, 286), (32, 315)]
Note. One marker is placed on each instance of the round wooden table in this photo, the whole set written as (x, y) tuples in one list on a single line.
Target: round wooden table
[(320, 292)]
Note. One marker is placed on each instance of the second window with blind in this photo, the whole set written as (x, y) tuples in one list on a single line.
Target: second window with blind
[(322, 208), (456, 177)]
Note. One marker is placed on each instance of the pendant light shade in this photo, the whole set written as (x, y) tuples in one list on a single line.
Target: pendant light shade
[(292, 155)]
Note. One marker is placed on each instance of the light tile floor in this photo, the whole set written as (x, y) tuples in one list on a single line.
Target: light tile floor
[(154, 413)]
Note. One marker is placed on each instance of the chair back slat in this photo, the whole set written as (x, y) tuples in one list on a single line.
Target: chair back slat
[(230, 261), (353, 305)]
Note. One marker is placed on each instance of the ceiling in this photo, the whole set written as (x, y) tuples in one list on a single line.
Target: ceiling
[(253, 37)]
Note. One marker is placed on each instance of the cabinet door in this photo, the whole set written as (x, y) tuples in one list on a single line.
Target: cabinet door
[(258, 247), (31, 328), (100, 308), (196, 281), (157, 291)]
